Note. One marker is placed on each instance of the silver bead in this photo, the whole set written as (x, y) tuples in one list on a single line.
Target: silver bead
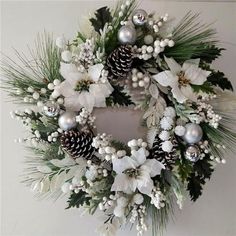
[(140, 17), (192, 153), (193, 133), (127, 34), (51, 109), (67, 120)]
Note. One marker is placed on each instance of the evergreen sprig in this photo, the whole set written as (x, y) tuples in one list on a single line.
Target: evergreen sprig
[(36, 71), (193, 40)]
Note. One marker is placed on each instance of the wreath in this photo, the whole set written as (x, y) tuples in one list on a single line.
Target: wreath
[(135, 59)]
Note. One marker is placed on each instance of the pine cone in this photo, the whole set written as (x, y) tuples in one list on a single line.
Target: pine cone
[(120, 61), (78, 144), (166, 158)]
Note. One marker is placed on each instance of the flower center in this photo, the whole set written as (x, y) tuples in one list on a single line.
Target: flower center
[(132, 173), (83, 85), (183, 81)]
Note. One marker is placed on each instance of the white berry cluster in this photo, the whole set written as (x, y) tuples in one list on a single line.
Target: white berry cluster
[(107, 152), (148, 51), (158, 23), (85, 117), (53, 136), (123, 8), (157, 198), (121, 206), (138, 215), (166, 125), (107, 202), (86, 52), (139, 79), (135, 144), (205, 149), (102, 143), (206, 111), (22, 116)]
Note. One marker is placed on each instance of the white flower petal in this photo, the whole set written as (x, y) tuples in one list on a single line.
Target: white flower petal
[(189, 63), (139, 156), (70, 73), (72, 103), (196, 75), (120, 165), (188, 92), (121, 183), (147, 188), (154, 166), (166, 78), (86, 100), (173, 65), (65, 89), (95, 71), (178, 95)]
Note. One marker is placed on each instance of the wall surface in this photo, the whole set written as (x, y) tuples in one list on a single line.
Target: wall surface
[(22, 215)]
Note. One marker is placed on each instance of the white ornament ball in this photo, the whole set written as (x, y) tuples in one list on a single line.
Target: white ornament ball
[(122, 202), (65, 188), (193, 133), (179, 130), (171, 43), (66, 56), (36, 95), (170, 112), (148, 39), (127, 35), (61, 42), (67, 120), (164, 135), (119, 211), (167, 146), (138, 199), (192, 153)]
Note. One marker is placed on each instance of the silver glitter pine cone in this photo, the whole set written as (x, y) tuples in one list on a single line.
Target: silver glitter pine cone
[(78, 144), (120, 61)]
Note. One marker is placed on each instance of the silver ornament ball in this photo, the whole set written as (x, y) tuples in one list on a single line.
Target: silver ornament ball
[(51, 109), (127, 35), (140, 17), (67, 120), (192, 153), (193, 133)]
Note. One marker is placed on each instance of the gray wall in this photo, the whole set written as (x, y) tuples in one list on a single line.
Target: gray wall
[(23, 215)]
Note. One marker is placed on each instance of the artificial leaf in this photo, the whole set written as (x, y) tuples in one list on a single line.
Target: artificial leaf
[(209, 54), (119, 97), (102, 16), (205, 88), (202, 170), (218, 78), (77, 199)]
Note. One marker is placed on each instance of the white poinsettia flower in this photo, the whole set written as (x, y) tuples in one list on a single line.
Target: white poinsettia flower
[(83, 89), (135, 173), (180, 78)]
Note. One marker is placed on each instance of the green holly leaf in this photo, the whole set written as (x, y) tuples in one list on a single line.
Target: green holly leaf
[(102, 16), (202, 170), (218, 78), (205, 88), (119, 97), (209, 53), (77, 199)]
